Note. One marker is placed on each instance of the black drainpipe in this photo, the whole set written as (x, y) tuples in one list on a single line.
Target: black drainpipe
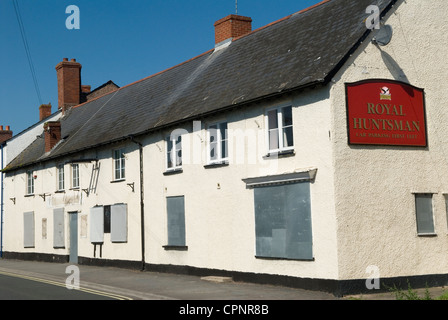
[(142, 210)]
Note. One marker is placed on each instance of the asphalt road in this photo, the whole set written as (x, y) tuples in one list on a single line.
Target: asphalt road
[(16, 287)]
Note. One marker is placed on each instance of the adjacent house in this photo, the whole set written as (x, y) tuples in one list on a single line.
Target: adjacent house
[(308, 153)]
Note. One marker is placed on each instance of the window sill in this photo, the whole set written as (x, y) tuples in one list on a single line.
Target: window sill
[(118, 180), (172, 171), (217, 164), (60, 191), (427, 234), (29, 195), (288, 259), (175, 248), (75, 189), (280, 154)]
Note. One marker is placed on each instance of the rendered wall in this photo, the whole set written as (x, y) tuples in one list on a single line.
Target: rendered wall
[(375, 186), (219, 209)]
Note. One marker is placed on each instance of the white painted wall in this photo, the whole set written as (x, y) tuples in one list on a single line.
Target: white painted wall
[(219, 209), (376, 222)]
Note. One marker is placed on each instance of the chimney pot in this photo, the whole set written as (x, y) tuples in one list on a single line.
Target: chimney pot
[(65, 59)]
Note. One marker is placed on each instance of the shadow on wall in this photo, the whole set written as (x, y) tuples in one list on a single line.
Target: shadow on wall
[(395, 70)]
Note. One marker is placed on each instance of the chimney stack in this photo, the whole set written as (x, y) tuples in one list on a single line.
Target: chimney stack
[(44, 111), (52, 133), (69, 83), (86, 88), (5, 134), (231, 27)]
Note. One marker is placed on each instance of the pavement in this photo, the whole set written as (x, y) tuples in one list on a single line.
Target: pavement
[(144, 285)]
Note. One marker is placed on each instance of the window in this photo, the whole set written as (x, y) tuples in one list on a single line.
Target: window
[(60, 177), (176, 221), (424, 213), (29, 182), (119, 164), (28, 229), (174, 152), (108, 219), (218, 143), (283, 221), (280, 129), (58, 228), (75, 176)]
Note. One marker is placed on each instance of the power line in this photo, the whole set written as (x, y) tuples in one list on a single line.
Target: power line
[(27, 50)]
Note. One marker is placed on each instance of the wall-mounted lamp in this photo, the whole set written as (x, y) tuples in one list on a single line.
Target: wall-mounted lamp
[(131, 185), (13, 200), (86, 191), (43, 196)]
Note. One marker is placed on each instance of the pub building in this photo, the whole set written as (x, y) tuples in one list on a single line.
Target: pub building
[(342, 183)]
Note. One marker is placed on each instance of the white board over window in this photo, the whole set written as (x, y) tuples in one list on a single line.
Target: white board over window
[(118, 223), (97, 225)]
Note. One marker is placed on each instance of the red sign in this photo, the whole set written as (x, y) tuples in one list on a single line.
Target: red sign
[(385, 112)]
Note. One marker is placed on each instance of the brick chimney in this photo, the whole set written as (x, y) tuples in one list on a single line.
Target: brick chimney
[(232, 26), (86, 88), (69, 83), (5, 134), (52, 133), (44, 111)]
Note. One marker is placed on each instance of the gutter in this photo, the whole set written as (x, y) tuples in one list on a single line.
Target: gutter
[(142, 204)]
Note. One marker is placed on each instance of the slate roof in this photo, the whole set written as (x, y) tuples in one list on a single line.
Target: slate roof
[(299, 51)]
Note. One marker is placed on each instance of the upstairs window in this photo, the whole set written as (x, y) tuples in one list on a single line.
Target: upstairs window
[(280, 129), (29, 182), (174, 152), (217, 143), (60, 170), (75, 176), (119, 164)]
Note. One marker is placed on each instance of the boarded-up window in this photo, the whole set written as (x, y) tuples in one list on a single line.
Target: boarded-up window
[(283, 221), (28, 229), (176, 221), (118, 223), (58, 228), (97, 225), (423, 209)]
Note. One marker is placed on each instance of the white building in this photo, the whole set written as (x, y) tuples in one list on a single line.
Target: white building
[(275, 157)]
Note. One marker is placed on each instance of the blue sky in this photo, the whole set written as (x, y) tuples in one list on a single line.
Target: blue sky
[(122, 41)]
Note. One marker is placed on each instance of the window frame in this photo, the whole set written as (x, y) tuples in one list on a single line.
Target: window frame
[(75, 177), (219, 152), (424, 233), (29, 182), (280, 128), (60, 168), (182, 235), (300, 221), (172, 154), (119, 164)]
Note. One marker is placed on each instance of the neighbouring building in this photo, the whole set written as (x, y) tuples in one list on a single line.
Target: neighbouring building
[(309, 153)]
